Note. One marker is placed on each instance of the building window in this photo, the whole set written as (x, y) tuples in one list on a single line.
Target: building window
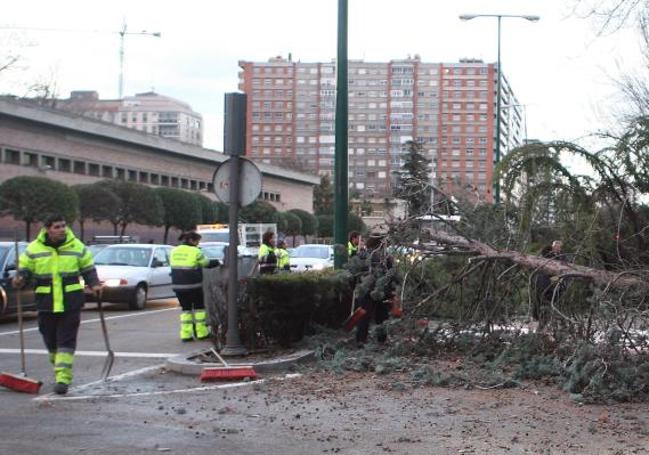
[(132, 176), (144, 177), (48, 161), (164, 180), (12, 156), (65, 165), (93, 169), (30, 159), (174, 182), (107, 172), (155, 179), (120, 173), (79, 167)]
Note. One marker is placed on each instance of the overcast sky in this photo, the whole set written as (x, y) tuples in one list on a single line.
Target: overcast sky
[(558, 68)]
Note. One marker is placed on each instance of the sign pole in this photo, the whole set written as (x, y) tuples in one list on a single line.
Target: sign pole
[(235, 133)]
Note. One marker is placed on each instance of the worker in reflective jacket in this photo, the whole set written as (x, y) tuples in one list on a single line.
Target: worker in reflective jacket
[(187, 262), (283, 259), (57, 260), (267, 255), (353, 244)]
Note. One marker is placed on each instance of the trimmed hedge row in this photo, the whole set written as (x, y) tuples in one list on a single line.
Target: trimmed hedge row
[(285, 305)]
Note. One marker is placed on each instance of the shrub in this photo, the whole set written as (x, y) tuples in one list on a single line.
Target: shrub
[(286, 304)]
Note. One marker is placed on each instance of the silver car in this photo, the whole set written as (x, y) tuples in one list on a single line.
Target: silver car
[(134, 273), (311, 257)]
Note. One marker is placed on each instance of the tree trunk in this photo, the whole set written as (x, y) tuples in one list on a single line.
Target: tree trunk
[(28, 225), (164, 240), (81, 229), (115, 228), (600, 277), (123, 229)]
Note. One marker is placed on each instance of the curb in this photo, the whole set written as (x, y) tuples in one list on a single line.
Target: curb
[(182, 365)]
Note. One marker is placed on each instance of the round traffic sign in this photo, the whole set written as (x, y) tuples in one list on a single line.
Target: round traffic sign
[(249, 183)]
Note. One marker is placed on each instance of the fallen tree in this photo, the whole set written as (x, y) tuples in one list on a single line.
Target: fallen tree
[(560, 269)]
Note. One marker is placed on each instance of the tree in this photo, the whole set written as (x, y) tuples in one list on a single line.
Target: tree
[(414, 184), (182, 210), (140, 204), (209, 209), (96, 202), (323, 197), (325, 225), (309, 222), (356, 223), (281, 221), (293, 225), (258, 212), (32, 199)]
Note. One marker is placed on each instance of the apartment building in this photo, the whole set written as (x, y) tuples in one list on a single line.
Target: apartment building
[(449, 107), (149, 112)]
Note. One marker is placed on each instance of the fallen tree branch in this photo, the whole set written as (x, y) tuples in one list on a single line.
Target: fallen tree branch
[(553, 267)]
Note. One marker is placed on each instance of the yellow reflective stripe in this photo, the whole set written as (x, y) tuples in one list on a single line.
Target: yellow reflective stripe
[(73, 287), (38, 255), (43, 289), (70, 253)]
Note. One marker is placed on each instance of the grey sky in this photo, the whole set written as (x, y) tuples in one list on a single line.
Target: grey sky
[(558, 68)]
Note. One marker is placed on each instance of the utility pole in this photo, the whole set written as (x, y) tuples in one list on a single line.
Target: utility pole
[(122, 33), (341, 185)]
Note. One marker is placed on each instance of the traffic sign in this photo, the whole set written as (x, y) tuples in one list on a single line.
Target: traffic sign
[(249, 183)]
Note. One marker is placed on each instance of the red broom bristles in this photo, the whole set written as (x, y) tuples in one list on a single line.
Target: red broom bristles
[(19, 383)]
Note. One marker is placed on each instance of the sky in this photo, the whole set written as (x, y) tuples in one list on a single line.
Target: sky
[(559, 68)]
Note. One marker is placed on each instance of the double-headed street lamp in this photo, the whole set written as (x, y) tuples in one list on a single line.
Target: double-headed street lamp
[(468, 17)]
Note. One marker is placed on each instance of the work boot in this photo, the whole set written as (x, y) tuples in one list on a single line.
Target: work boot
[(202, 330), (186, 326), (60, 388)]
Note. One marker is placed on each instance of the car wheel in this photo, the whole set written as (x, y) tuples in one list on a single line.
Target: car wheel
[(138, 300)]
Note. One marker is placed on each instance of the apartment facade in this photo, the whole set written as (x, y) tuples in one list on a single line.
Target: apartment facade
[(149, 112), (449, 107)]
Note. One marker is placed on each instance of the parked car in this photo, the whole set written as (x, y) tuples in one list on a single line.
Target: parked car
[(7, 271), (94, 249), (311, 257), (134, 273), (216, 250)]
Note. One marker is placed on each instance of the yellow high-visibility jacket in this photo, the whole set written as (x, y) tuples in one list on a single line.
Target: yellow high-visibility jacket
[(57, 271)]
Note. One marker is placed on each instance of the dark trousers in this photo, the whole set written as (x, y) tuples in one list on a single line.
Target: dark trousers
[(378, 311), (59, 330), (191, 299)]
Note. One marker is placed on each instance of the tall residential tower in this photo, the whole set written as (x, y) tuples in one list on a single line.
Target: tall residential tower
[(449, 107)]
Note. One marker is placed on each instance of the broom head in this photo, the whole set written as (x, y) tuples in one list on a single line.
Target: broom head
[(19, 383), (227, 373), (354, 319)]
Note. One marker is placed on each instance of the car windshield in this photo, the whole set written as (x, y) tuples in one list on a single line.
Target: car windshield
[(213, 251), (134, 257), (4, 250), (320, 252), (214, 236)]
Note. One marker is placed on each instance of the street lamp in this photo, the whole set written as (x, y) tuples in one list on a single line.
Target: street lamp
[(468, 17)]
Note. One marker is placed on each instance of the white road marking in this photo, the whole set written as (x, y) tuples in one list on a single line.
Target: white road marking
[(118, 377), (53, 397), (108, 318), (135, 355)]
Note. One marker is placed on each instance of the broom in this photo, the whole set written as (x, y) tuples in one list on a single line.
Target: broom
[(20, 383), (227, 372), (354, 316)]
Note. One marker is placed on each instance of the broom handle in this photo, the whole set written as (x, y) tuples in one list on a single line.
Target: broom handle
[(19, 308), (225, 364)]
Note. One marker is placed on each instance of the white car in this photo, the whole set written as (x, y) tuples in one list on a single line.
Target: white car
[(134, 273), (311, 257)]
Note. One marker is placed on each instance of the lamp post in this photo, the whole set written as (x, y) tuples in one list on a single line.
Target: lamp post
[(468, 17)]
